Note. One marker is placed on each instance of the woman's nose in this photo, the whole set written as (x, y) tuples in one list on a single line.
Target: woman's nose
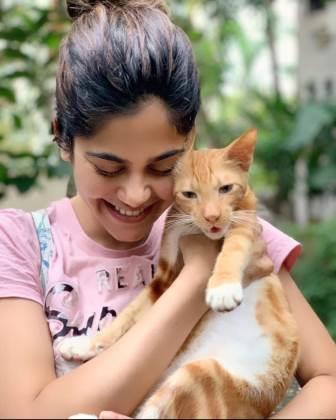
[(135, 193)]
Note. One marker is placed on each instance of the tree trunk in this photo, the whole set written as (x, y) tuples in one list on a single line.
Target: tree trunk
[(270, 37), (300, 192)]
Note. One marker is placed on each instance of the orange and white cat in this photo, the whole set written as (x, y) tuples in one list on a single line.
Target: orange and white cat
[(240, 359)]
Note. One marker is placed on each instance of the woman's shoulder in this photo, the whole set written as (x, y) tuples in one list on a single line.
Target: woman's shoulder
[(19, 256), (282, 248), (15, 224)]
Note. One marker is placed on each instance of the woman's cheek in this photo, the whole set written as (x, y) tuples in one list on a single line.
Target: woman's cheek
[(91, 185), (166, 190)]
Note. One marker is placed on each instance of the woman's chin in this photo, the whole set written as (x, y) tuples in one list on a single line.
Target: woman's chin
[(132, 238)]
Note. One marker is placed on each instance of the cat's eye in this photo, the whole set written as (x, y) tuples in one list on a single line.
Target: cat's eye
[(189, 194), (225, 188)]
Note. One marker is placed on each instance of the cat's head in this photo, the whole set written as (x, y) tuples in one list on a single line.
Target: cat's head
[(212, 184)]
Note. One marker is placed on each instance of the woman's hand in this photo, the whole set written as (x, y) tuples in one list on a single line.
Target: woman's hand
[(260, 264), (112, 415), (200, 251)]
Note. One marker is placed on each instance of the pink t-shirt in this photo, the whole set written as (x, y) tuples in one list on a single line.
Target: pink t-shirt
[(88, 284)]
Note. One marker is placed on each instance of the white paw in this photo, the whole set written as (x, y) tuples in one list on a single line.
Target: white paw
[(77, 348), (224, 298), (149, 412)]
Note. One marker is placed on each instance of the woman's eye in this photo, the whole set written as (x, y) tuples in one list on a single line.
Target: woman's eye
[(189, 194), (161, 172), (108, 174), (225, 188)]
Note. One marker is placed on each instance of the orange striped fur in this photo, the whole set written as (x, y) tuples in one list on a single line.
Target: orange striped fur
[(240, 359)]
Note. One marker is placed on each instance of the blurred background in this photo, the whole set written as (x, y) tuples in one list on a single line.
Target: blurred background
[(263, 63)]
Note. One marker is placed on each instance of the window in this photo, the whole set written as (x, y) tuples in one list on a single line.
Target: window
[(329, 88), (311, 91), (315, 5)]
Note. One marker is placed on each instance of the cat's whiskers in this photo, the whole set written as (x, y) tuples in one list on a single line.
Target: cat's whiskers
[(183, 222), (179, 220), (245, 218)]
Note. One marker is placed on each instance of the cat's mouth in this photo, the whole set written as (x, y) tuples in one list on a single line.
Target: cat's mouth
[(216, 232), (215, 229)]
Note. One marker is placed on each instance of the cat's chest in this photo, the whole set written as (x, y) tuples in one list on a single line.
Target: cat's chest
[(235, 339)]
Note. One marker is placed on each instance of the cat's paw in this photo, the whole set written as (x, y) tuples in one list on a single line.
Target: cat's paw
[(79, 348), (225, 297)]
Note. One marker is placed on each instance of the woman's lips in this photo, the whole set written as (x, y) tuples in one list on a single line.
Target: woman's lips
[(124, 218)]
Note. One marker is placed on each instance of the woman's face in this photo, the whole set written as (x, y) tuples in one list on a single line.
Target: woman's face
[(123, 175)]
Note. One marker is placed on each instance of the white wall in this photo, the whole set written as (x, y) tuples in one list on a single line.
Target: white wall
[(317, 49)]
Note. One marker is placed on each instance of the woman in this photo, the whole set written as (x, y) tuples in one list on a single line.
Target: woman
[(126, 100)]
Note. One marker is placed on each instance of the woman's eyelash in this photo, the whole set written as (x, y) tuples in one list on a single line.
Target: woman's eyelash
[(154, 171), (161, 173), (106, 173)]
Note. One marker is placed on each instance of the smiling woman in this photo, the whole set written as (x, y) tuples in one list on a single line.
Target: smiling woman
[(128, 182), (127, 95)]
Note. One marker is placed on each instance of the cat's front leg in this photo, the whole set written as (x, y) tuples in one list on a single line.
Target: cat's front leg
[(225, 286)]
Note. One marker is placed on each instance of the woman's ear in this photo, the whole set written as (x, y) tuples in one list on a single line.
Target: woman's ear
[(54, 128), (55, 131), (65, 155)]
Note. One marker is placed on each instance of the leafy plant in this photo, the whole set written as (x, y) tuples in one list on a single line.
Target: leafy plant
[(315, 271)]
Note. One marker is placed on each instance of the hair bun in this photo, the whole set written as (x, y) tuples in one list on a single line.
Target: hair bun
[(77, 8)]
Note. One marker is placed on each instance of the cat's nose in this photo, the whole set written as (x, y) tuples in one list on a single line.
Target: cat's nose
[(212, 218)]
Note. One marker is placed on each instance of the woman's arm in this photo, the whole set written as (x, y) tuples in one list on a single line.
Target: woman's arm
[(119, 378), (316, 371)]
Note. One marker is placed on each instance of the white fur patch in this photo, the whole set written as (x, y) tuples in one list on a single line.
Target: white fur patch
[(77, 348), (234, 339), (224, 298)]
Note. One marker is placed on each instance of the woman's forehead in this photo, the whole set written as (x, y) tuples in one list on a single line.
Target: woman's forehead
[(148, 132)]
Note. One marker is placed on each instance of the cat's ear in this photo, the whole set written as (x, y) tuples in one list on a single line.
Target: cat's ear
[(242, 149)]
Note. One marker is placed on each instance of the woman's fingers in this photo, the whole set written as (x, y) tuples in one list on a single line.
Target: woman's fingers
[(112, 415)]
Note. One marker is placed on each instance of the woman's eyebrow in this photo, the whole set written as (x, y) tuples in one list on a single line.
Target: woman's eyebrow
[(105, 156), (113, 158), (168, 154)]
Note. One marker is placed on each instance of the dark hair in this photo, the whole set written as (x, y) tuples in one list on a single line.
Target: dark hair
[(118, 54)]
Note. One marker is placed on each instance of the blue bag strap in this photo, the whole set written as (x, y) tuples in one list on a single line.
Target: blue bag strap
[(43, 231)]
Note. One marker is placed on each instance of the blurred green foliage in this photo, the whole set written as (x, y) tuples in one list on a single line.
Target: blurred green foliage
[(29, 41), (315, 271)]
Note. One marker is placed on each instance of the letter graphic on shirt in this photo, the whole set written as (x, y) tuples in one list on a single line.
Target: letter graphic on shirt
[(60, 305), (120, 278), (139, 278), (106, 316), (103, 280)]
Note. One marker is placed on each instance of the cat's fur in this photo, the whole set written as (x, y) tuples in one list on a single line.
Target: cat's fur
[(239, 360)]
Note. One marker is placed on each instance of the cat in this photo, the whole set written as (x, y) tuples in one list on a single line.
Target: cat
[(240, 358)]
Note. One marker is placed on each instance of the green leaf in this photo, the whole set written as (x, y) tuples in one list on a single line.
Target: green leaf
[(14, 34), (311, 119), (24, 183), (14, 53), (324, 178), (3, 173), (7, 93), (16, 74)]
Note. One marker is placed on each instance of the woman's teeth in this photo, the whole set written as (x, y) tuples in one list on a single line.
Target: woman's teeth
[(128, 213)]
